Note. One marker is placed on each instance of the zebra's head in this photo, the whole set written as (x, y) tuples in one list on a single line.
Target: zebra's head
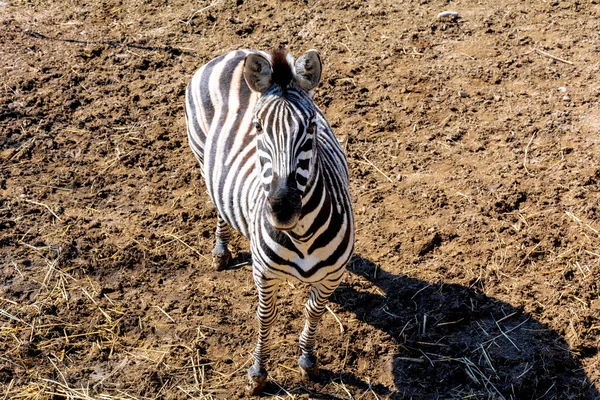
[(284, 121)]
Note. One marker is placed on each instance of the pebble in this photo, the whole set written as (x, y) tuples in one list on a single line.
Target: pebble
[(566, 98), (453, 15), (562, 89), (463, 94)]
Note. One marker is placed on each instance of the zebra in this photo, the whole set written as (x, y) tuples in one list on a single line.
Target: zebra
[(276, 174)]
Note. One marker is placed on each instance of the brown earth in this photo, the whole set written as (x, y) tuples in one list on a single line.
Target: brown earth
[(478, 213)]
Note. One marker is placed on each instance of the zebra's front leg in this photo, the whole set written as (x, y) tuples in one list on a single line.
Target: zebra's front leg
[(221, 254), (266, 314), (314, 309)]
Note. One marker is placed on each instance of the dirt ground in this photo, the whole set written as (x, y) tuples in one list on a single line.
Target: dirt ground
[(474, 152)]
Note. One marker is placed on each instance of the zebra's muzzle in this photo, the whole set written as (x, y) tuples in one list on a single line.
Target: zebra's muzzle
[(283, 207)]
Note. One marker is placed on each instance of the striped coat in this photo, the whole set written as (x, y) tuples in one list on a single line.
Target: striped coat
[(276, 173)]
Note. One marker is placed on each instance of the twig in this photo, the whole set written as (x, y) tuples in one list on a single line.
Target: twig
[(553, 57), (108, 318), (546, 392), (469, 198), (336, 318), (420, 290), (343, 387), (282, 388), (52, 187), (506, 336), (8, 315), (371, 389), (22, 148), (164, 312), (526, 152), (8, 389), (450, 322), (377, 169), (58, 370), (580, 221), (410, 359), (346, 353), (211, 5), (43, 205), (472, 369), (507, 316), (294, 370), (348, 29), (503, 333), (487, 358), (529, 255), (592, 253), (525, 371), (347, 48), (185, 244)]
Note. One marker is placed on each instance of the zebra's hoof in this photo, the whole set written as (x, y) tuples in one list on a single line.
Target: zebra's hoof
[(221, 259), (257, 378), (309, 366)]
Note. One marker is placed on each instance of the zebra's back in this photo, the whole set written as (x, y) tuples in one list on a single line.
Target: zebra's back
[(219, 108)]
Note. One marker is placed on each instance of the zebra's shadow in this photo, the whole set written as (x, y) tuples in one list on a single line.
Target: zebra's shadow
[(452, 341)]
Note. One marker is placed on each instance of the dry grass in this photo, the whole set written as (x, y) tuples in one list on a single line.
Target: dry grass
[(43, 322)]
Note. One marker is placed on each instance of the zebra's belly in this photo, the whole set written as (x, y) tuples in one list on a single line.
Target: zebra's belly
[(231, 179)]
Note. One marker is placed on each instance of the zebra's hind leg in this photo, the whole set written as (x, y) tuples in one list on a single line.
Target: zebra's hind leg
[(313, 311), (221, 254), (266, 314)]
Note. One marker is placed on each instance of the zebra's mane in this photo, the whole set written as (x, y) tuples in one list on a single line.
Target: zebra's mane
[(283, 72)]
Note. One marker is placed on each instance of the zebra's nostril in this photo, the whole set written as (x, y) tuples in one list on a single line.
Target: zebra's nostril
[(283, 195), (282, 202)]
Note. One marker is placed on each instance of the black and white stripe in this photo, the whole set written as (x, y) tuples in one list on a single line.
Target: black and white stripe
[(276, 173)]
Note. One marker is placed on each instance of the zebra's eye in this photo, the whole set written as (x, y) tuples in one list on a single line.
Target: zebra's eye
[(311, 128), (257, 126)]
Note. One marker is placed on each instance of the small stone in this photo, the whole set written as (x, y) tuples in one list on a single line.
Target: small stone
[(497, 98), (463, 94), (566, 98), (562, 89), (452, 15)]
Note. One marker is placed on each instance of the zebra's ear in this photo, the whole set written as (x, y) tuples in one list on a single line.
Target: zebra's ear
[(258, 72), (308, 70)]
